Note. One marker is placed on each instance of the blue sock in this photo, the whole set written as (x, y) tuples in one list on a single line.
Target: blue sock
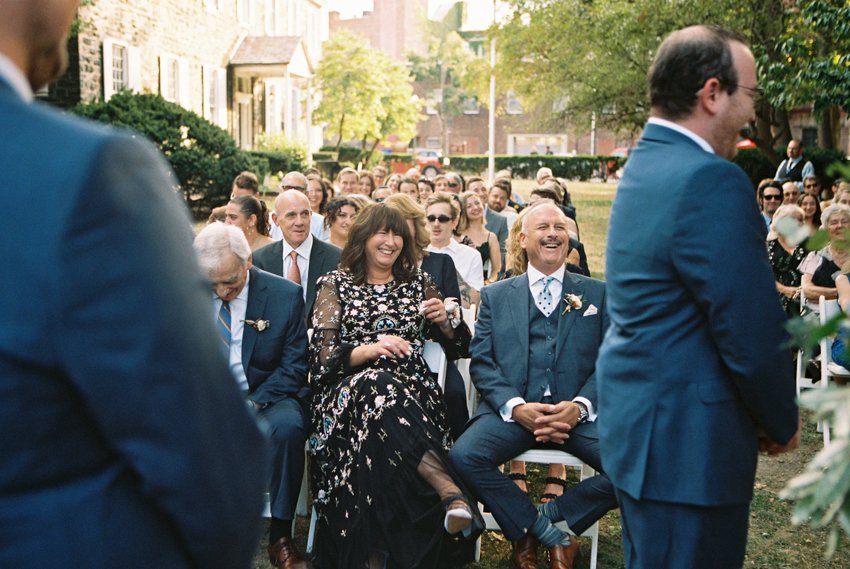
[(547, 534), (550, 511)]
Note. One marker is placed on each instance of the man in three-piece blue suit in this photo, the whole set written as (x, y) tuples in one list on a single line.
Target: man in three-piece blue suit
[(695, 373), (261, 319), (533, 361), (124, 440)]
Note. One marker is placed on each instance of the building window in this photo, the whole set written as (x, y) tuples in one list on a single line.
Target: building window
[(432, 103), (215, 95), (513, 106), (471, 106), (174, 80), (245, 12), (120, 67), (810, 136)]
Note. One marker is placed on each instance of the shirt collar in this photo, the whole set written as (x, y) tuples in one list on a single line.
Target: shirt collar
[(452, 246), (303, 249), (534, 275), (16, 79), (682, 130)]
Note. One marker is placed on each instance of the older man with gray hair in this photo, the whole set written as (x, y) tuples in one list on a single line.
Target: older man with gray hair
[(260, 319)]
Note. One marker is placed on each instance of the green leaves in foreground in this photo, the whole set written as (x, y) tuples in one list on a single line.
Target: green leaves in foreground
[(821, 494)]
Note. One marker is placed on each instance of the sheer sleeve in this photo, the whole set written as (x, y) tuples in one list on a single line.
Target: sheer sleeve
[(329, 355), (456, 347)]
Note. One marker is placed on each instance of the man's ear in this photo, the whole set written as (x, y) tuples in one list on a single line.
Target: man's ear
[(250, 261), (710, 97)]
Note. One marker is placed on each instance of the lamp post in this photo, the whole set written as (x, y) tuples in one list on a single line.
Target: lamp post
[(491, 123)]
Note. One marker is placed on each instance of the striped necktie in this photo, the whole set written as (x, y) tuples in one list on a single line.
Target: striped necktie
[(223, 323)]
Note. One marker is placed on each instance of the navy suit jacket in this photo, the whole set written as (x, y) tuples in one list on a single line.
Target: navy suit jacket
[(275, 360), (441, 267), (500, 351), (696, 359), (124, 437), (324, 258)]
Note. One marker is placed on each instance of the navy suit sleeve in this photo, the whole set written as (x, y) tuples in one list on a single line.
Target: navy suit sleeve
[(136, 337), (289, 376), (588, 390), (487, 374), (725, 267)]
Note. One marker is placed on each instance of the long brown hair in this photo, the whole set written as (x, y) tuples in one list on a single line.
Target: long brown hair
[(371, 219)]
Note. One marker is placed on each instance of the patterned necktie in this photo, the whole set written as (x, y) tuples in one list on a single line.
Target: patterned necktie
[(294, 273), (544, 298), (223, 323)]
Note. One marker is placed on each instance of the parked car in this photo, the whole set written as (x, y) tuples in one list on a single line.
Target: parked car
[(430, 161)]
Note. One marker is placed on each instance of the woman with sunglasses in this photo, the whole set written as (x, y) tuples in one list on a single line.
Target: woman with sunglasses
[(443, 216)]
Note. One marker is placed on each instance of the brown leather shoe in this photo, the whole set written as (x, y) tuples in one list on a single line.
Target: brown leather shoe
[(563, 556), (282, 555), (524, 555)]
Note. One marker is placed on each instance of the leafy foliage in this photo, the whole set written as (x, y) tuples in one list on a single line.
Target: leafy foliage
[(203, 156), (366, 95), (283, 154)]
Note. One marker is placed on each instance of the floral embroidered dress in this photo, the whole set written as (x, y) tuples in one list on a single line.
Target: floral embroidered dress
[(372, 424), (785, 271)]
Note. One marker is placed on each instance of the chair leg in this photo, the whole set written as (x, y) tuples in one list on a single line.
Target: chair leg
[(311, 534)]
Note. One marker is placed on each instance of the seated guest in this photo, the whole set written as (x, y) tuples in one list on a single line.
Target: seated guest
[(426, 189), (366, 184), (347, 181), (770, 198), (785, 259), (496, 222), (413, 173), (379, 173), (820, 268), (298, 257), (409, 186), (261, 321), (811, 211), (457, 184), (317, 193), (790, 193), (577, 255), (473, 228), (841, 343), (542, 175), (442, 216), (217, 214), (533, 362), (384, 494), (393, 181), (247, 213), (441, 268), (380, 194), (497, 200), (441, 183), (300, 182), (339, 215), (812, 186)]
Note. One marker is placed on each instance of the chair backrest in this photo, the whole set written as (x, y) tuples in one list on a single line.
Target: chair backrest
[(827, 309), (435, 357), (469, 315)]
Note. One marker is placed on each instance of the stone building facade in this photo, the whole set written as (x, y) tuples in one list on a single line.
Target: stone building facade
[(245, 65)]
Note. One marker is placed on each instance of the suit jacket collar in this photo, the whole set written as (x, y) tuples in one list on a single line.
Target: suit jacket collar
[(572, 285), (314, 268), (658, 133), (257, 297)]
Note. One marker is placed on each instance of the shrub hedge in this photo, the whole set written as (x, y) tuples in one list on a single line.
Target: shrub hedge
[(204, 157)]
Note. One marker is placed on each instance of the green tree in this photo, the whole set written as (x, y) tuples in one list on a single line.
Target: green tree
[(365, 94), (203, 156)]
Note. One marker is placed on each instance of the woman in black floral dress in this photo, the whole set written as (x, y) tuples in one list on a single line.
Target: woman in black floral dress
[(785, 260), (382, 488)]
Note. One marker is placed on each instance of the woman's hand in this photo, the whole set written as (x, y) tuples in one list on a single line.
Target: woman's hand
[(391, 347), (434, 310)]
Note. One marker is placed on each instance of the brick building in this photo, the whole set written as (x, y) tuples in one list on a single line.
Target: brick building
[(245, 65), (393, 26)]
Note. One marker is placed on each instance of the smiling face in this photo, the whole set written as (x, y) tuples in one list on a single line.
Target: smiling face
[(348, 183), (228, 278), (410, 189), (837, 224), (809, 205), (544, 238), (474, 208), (343, 221), (735, 111), (440, 223), (314, 194), (790, 193), (382, 249)]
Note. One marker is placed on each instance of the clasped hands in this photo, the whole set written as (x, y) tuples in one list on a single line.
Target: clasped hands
[(391, 346), (772, 448), (550, 423)]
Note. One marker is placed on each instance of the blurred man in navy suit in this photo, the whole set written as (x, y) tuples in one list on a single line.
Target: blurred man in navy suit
[(695, 373), (125, 442)]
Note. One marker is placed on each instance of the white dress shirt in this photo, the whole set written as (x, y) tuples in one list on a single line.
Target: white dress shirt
[(14, 77), (703, 143), (556, 287), (467, 262), (303, 251), (238, 306)]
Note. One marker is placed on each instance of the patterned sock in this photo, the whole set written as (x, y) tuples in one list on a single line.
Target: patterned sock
[(547, 534), (550, 511)]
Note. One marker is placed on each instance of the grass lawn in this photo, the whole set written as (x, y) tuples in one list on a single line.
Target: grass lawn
[(773, 542)]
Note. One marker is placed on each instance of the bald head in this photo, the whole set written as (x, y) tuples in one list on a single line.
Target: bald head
[(294, 181), (543, 174), (33, 35), (292, 214)]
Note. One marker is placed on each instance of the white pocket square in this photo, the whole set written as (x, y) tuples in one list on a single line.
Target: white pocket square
[(591, 310)]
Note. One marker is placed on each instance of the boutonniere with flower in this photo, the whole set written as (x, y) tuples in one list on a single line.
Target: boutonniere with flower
[(571, 302), (258, 325)]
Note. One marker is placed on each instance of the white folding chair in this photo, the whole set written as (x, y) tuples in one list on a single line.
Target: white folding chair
[(803, 381), (828, 368), (435, 357)]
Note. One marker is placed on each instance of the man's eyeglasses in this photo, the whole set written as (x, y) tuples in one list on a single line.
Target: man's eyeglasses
[(772, 197), (757, 92), (299, 188), (453, 185), (440, 218)]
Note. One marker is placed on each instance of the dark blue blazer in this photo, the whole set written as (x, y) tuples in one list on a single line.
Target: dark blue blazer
[(275, 360), (324, 258), (441, 267), (500, 348), (696, 360), (124, 437)]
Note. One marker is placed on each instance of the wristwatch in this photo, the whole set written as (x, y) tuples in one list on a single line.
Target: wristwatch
[(582, 412)]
